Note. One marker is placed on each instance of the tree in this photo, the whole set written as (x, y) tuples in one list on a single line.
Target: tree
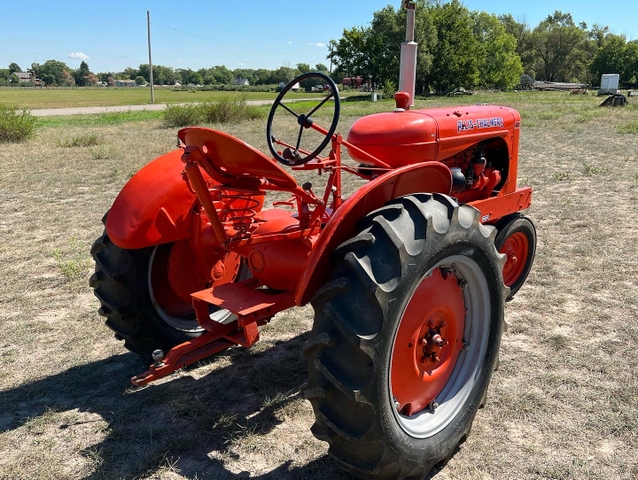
[(499, 64), (597, 35), (284, 74), (611, 57), (140, 80), (67, 79), (383, 45), (373, 52), (222, 75), (631, 59), (91, 80), (247, 73), (161, 75), (51, 72), (188, 76), (14, 68), (455, 61), (558, 45), (309, 83), (348, 53), (81, 73), (130, 73), (519, 29), (264, 77)]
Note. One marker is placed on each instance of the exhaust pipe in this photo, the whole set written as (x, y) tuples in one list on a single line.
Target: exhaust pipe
[(407, 71)]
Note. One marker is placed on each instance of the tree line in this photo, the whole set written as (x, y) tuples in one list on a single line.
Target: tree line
[(463, 48), (57, 73)]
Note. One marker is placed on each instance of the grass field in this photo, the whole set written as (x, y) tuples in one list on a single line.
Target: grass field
[(34, 98), (563, 405)]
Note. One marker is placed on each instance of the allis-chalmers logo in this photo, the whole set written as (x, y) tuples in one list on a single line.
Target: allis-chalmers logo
[(463, 125)]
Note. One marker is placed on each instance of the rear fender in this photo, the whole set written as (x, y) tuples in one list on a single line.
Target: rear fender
[(431, 177), (155, 206)]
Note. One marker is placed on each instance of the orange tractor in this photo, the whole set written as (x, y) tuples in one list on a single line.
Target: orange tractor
[(408, 275)]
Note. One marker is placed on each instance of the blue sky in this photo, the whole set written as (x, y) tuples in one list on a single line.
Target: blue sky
[(111, 35)]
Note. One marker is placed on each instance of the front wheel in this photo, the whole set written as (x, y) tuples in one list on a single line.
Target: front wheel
[(516, 239), (406, 337)]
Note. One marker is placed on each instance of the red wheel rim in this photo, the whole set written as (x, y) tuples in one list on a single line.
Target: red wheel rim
[(176, 273), (516, 248), (428, 342)]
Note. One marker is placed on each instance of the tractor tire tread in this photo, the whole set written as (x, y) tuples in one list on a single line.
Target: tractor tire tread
[(345, 417)]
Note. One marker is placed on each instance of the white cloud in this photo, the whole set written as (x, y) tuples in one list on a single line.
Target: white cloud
[(79, 56), (240, 64), (319, 44)]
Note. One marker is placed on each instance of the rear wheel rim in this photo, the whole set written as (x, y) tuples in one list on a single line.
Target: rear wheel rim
[(168, 305), (516, 248), (461, 300)]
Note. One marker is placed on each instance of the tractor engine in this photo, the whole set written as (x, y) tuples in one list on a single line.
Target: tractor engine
[(478, 143)]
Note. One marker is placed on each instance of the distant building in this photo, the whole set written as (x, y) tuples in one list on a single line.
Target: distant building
[(29, 77), (294, 88), (354, 82), (23, 76), (125, 83), (241, 81)]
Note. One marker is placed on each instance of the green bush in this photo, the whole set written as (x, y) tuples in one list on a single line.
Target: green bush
[(182, 115), (16, 125), (229, 110), (225, 110), (389, 89)]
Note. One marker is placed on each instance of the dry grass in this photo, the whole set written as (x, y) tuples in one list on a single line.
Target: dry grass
[(564, 403)]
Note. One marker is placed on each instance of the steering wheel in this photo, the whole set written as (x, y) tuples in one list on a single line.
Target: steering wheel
[(305, 121)]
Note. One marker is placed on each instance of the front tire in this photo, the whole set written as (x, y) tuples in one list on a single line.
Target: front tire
[(406, 337), (516, 239)]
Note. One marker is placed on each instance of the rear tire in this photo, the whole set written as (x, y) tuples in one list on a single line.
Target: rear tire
[(397, 367), (122, 282)]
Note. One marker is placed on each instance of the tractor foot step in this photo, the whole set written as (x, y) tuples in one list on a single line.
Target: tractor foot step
[(249, 300)]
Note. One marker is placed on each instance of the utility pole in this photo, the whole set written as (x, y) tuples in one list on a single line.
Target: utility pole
[(407, 71), (150, 61)]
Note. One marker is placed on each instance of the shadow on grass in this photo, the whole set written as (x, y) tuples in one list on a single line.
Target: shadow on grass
[(178, 423)]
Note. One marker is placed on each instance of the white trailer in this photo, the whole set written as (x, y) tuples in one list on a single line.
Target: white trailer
[(609, 83)]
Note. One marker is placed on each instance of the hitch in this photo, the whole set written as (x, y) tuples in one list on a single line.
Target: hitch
[(248, 300)]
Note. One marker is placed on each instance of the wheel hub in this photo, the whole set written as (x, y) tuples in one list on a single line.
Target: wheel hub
[(428, 341), (433, 343), (516, 247)]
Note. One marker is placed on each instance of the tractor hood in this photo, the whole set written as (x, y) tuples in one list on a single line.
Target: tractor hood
[(405, 137)]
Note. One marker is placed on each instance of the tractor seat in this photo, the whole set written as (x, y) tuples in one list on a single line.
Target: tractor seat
[(234, 158)]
